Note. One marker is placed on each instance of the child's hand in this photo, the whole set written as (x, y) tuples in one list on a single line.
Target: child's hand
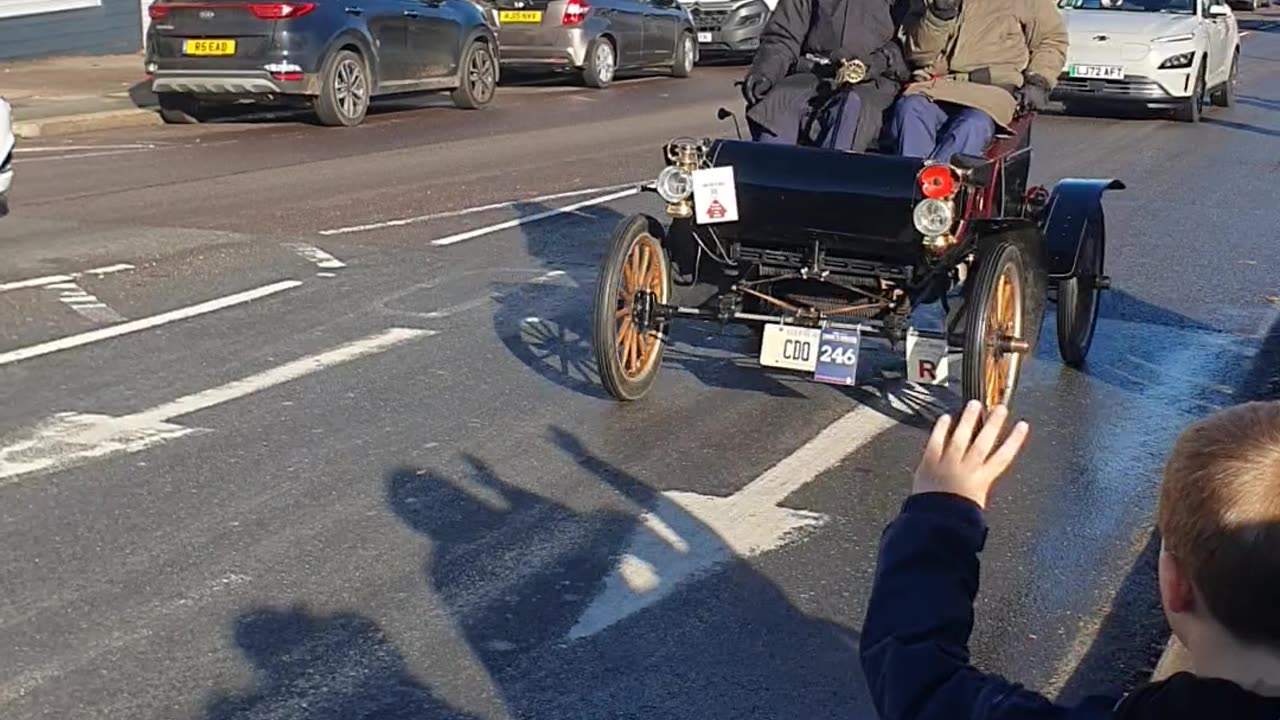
[(965, 465)]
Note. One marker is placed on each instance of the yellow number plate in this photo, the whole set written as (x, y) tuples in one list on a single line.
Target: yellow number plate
[(209, 47), (520, 16)]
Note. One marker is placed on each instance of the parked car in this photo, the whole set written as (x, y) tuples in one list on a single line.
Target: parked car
[(331, 55), (7, 144), (1156, 53), (728, 28), (1250, 5), (597, 38)]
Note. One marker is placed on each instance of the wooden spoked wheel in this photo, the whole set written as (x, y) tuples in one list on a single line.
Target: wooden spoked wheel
[(629, 338), (994, 332)]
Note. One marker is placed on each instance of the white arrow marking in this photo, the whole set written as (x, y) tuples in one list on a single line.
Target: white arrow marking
[(71, 438), (686, 534)]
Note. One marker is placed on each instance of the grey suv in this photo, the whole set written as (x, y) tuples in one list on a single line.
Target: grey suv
[(728, 27)]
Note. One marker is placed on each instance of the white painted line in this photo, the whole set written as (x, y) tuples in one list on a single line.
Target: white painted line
[(686, 534), (145, 323), (72, 438), (472, 210), (88, 306), (68, 148), (51, 279), (316, 255), (470, 234)]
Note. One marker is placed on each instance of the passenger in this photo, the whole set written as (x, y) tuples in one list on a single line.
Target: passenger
[(974, 65), (783, 89), (1219, 580)]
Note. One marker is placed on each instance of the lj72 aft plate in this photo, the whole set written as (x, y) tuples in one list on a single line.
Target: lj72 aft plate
[(1097, 72)]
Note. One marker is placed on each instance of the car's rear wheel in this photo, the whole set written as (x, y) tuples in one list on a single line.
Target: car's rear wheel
[(686, 56), (994, 332), (1193, 107), (602, 63), (627, 338), (1080, 296), (179, 109), (344, 90), (479, 77), (1225, 96)]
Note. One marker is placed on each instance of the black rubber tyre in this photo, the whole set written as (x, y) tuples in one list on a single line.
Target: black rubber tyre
[(602, 63), (1191, 110), (1080, 296), (1000, 278), (479, 77), (686, 56), (344, 90), (635, 262), (1225, 96), (179, 109)]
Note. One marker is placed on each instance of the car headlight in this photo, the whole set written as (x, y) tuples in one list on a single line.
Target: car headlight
[(1181, 60), (933, 217), (752, 19), (674, 184), (1175, 38)]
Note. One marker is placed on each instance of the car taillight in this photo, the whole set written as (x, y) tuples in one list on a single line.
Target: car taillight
[(937, 182), (158, 11), (280, 11), (575, 12)]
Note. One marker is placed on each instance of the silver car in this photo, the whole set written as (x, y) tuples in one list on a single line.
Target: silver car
[(597, 38)]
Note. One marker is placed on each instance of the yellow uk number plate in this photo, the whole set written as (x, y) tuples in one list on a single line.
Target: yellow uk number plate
[(520, 16), (209, 47)]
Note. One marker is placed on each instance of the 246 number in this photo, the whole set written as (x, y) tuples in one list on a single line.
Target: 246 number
[(838, 355)]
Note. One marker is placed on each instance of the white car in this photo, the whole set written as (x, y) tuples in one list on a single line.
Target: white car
[(7, 143), (1155, 53)]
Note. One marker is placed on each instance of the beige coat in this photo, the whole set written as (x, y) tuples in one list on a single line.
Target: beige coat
[(1007, 37)]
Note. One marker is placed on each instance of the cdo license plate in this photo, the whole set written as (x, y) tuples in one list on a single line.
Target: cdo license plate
[(831, 355), (520, 16), (1097, 72), (704, 37), (209, 47)]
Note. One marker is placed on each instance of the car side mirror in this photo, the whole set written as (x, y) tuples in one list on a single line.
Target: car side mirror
[(1218, 11)]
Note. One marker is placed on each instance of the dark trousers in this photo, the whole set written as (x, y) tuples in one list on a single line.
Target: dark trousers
[(923, 128), (848, 120), (840, 124)]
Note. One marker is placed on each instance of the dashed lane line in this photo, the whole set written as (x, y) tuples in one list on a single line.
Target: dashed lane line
[(478, 232), (47, 280)]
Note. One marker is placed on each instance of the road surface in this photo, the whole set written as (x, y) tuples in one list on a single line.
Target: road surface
[(298, 422)]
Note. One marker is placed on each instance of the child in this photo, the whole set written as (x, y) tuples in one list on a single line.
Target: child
[(1219, 518)]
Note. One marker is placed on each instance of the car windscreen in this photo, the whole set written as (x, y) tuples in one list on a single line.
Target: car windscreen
[(1177, 7)]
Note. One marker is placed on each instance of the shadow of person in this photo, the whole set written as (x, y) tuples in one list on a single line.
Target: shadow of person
[(519, 571), (324, 667)]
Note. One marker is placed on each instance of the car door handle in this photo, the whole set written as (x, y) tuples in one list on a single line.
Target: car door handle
[(354, 10)]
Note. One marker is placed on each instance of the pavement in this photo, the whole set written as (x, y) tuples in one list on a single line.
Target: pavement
[(304, 422)]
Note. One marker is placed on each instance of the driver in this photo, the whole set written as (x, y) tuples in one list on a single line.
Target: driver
[(785, 84), (974, 64)]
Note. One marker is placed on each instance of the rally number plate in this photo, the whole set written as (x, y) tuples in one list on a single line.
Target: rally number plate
[(715, 195), (838, 357)]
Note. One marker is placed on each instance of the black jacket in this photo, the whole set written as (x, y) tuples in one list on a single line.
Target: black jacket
[(915, 640), (864, 29)]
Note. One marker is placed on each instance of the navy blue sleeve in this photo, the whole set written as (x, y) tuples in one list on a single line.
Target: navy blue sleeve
[(915, 640)]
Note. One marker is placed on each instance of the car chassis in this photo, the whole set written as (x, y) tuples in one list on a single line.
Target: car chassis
[(817, 248)]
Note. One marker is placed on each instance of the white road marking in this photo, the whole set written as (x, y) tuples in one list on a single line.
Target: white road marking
[(316, 255), (687, 534), (71, 438), (145, 323), (471, 234), (87, 305), (51, 279), (69, 148), (471, 210)]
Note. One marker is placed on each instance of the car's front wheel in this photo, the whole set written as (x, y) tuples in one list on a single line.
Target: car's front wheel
[(1193, 107), (344, 90), (686, 55), (479, 77), (1225, 96)]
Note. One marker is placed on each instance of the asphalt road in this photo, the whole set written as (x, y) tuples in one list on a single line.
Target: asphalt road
[(327, 468)]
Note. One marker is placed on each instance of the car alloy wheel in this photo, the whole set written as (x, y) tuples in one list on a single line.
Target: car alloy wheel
[(604, 61), (480, 76), (690, 51), (350, 88)]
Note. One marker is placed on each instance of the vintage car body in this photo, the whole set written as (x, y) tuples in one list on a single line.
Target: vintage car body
[(819, 248)]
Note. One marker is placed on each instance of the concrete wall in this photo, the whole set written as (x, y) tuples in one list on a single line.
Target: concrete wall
[(112, 28)]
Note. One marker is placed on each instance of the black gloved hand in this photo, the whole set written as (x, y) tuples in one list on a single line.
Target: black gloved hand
[(755, 86), (840, 57), (944, 9), (1034, 93)]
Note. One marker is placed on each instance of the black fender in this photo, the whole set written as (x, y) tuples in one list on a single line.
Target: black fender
[(1026, 235), (1070, 204), (483, 33), (348, 36)]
